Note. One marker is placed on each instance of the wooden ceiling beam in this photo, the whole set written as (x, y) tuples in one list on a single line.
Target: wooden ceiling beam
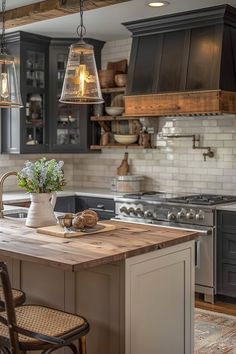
[(50, 9)]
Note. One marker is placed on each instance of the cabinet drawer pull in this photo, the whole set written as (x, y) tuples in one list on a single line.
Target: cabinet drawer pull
[(100, 206)]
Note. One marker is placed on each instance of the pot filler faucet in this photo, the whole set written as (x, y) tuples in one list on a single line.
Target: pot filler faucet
[(2, 179)]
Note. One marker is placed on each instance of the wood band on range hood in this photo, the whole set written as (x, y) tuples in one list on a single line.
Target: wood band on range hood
[(210, 102)]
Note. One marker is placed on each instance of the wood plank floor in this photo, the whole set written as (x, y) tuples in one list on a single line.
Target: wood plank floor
[(221, 305)]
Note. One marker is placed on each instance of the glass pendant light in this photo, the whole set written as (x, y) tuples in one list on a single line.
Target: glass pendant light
[(81, 83), (9, 90)]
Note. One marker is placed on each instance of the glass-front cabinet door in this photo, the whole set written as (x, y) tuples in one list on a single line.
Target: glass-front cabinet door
[(67, 120), (25, 130), (35, 106)]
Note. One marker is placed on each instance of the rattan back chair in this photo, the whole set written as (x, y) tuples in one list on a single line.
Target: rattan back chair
[(18, 298), (34, 327)]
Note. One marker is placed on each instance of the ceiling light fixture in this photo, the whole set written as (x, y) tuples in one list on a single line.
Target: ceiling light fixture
[(158, 3), (81, 84), (9, 90)]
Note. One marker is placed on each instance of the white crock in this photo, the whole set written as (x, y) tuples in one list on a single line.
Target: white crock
[(41, 210)]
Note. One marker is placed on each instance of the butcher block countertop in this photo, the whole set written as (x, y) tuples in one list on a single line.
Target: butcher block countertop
[(127, 240)]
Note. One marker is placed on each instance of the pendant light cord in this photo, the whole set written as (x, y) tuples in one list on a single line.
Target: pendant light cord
[(81, 30), (3, 39)]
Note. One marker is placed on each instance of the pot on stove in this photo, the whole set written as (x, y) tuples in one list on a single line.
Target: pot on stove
[(127, 184)]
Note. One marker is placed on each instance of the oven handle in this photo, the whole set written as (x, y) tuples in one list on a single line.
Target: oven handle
[(102, 209), (201, 232), (197, 255), (204, 232)]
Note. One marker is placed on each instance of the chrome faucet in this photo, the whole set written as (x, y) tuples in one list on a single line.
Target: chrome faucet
[(2, 179)]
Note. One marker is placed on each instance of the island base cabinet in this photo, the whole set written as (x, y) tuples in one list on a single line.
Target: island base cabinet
[(96, 294), (141, 305), (160, 302), (100, 297)]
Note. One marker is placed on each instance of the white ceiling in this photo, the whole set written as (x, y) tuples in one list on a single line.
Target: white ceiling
[(105, 23)]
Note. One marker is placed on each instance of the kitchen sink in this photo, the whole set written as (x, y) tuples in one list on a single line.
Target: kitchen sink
[(15, 214), (18, 215)]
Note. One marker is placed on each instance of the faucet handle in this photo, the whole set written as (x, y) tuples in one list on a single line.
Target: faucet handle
[(209, 153)]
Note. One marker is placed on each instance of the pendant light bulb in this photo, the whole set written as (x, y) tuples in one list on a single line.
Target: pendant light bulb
[(4, 86), (9, 90), (81, 83)]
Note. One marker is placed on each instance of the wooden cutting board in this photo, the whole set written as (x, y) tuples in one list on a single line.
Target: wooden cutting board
[(58, 231)]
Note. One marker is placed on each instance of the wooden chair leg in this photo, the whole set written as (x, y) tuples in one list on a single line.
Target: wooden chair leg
[(5, 350), (73, 348), (82, 345)]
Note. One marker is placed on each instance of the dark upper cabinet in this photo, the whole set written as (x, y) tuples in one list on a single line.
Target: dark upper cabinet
[(26, 130), (70, 126), (43, 124), (186, 51)]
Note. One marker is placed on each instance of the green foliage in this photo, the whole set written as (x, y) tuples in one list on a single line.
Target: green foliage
[(42, 176)]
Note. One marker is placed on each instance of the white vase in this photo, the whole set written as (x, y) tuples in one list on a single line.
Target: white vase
[(41, 210)]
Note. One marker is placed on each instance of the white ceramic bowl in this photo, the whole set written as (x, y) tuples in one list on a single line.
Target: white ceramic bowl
[(114, 111), (126, 139)]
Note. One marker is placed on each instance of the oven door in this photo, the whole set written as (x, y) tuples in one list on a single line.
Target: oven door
[(205, 260), (204, 255)]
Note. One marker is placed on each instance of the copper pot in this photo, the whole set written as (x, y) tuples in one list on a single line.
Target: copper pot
[(120, 80)]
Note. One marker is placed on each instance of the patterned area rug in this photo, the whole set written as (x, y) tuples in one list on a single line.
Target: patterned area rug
[(215, 333)]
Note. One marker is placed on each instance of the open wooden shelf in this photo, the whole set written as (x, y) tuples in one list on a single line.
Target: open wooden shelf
[(114, 90), (116, 146), (110, 118)]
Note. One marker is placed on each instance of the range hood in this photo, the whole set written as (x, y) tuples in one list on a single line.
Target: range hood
[(183, 64)]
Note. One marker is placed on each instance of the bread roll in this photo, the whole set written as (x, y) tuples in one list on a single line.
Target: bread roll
[(91, 212), (78, 222), (89, 220)]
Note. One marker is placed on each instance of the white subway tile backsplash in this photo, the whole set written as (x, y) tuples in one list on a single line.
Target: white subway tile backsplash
[(224, 137)]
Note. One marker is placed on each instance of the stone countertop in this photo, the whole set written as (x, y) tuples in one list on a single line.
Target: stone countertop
[(127, 240), (227, 207), (22, 196)]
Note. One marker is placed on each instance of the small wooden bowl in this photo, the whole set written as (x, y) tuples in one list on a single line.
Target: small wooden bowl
[(65, 220), (120, 80)]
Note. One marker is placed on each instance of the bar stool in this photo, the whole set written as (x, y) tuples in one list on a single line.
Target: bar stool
[(34, 327), (18, 298)]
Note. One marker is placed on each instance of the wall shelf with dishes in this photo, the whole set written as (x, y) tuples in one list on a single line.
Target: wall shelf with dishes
[(121, 132), (116, 146), (117, 130), (109, 118), (114, 90)]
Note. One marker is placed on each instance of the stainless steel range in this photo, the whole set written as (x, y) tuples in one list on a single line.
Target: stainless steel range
[(196, 212)]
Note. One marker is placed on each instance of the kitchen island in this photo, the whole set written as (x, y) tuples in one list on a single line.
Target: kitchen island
[(135, 284)]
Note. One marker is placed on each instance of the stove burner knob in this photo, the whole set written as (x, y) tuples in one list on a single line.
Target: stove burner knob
[(124, 210), (200, 215), (190, 215), (171, 216), (131, 211), (181, 214), (139, 212), (148, 214)]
